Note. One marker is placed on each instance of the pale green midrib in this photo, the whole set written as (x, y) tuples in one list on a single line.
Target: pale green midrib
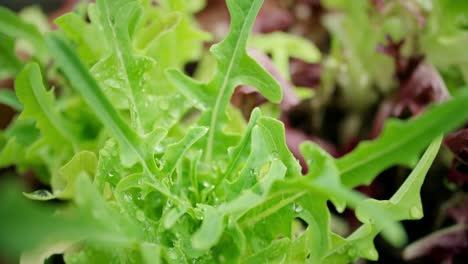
[(167, 193), (187, 144), (379, 154), (270, 136), (244, 143), (271, 210), (134, 112), (424, 165), (215, 115), (54, 120)]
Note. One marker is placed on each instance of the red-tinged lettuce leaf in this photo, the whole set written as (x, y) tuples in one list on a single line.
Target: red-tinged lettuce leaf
[(423, 87), (305, 74), (419, 83), (272, 17), (404, 66), (457, 143), (214, 18), (457, 176), (442, 246), (457, 208)]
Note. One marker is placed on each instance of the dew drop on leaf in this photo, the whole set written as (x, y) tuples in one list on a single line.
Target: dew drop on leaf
[(253, 172), (297, 208), (41, 193), (207, 185), (275, 155), (140, 216), (140, 197), (128, 197)]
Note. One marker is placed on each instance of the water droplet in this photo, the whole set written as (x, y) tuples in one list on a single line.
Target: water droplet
[(208, 185), (140, 216), (127, 197), (415, 212), (297, 208), (110, 175), (113, 83), (275, 155), (253, 172), (41, 193)]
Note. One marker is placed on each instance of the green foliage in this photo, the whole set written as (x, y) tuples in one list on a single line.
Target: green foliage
[(400, 143), (235, 67), (284, 46), (445, 35), (8, 97), (156, 167)]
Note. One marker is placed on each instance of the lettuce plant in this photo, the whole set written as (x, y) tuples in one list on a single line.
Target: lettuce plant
[(155, 166)]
